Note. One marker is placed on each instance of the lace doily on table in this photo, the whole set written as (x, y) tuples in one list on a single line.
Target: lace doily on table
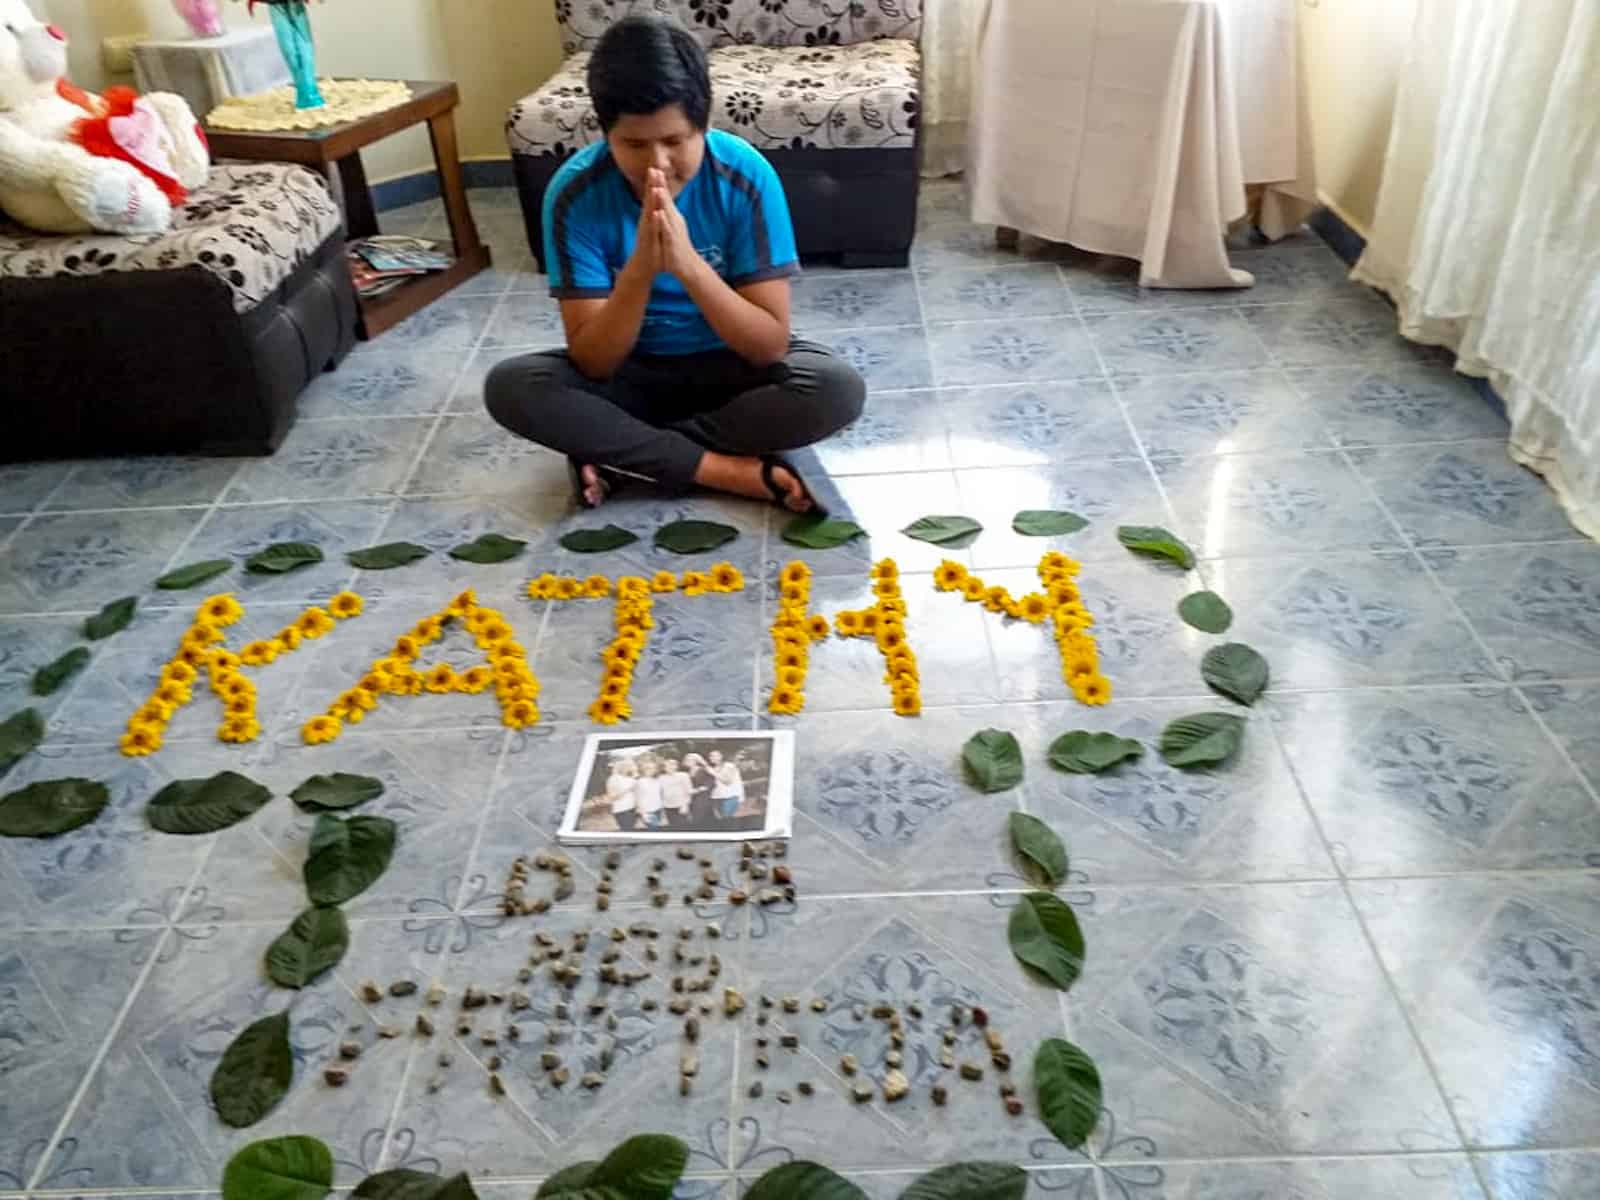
[(347, 100)]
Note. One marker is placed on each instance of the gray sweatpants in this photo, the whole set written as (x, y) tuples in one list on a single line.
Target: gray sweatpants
[(658, 414)]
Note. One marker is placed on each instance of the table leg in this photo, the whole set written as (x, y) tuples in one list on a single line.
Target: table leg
[(463, 230), (360, 218), (1005, 237)]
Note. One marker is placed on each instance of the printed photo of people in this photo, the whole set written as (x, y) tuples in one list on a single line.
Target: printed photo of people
[(681, 786)]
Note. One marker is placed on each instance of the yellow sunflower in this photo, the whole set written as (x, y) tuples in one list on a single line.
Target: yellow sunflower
[(1093, 690), (321, 729), (314, 622), (663, 581), (869, 621), (725, 577), (817, 627), (948, 576), (173, 695), (257, 654), (907, 702), (885, 569), (201, 633), (1034, 608), (221, 609), (376, 682), (696, 583), (441, 678), (785, 700), (242, 706), (409, 684), (519, 714), (193, 656), (139, 741), (607, 710), (848, 623), (239, 729), (568, 588), (288, 638), (1012, 609), (795, 572), (793, 594), (973, 588), (622, 652), (474, 680), (615, 686), (596, 586), (493, 633), (633, 585), (427, 630), (152, 712), (542, 588), (1064, 593), (179, 672), (995, 599), (792, 677), (235, 685), (345, 605), (464, 604), (890, 638), (358, 700)]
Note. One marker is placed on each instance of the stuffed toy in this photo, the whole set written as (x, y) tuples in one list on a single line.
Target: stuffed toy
[(71, 161)]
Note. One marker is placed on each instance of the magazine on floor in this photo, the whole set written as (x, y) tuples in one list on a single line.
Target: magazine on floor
[(674, 787)]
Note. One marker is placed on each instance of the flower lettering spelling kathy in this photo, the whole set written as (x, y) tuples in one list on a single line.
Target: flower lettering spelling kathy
[(1060, 604), (885, 623), (398, 673), (793, 631), (632, 621)]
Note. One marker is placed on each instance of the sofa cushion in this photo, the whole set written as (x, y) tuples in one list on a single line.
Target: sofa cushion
[(250, 225), (760, 22), (856, 97)]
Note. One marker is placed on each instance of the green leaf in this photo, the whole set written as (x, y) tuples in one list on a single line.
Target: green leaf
[(19, 734), (281, 1168), (1038, 843), (1201, 739), (282, 557), (1156, 542), (993, 760), (1235, 670), (646, 1167), (386, 556), (944, 531), (347, 856), (1206, 611), (820, 533), (803, 1181), (567, 1182), (488, 548), (596, 541), (195, 573), (691, 537), (1085, 753), (1044, 934), (48, 679), (113, 618), (325, 793), (1047, 522), (189, 806), (313, 943), (51, 807), (970, 1181), (254, 1073), (405, 1184), (1068, 1085)]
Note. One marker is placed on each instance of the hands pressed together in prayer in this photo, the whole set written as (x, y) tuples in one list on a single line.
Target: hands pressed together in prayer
[(663, 239)]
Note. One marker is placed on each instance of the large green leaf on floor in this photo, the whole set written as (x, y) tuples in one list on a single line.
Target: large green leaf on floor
[(193, 806), (803, 1181), (1045, 935), (51, 807), (1236, 670), (597, 541), (113, 618), (403, 1183), (280, 1168), (347, 856), (1038, 844), (387, 556), (488, 548), (1068, 1087), (970, 1181), (993, 760), (283, 557), (19, 734), (694, 537), (193, 574), (313, 944), (47, 680), (254, 1073), (1156, 542), (947, 530), (1201, 739)]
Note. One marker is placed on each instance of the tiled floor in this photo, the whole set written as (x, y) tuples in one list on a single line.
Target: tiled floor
[(1361, 962)]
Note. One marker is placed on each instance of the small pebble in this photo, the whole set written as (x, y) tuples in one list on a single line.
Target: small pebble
[(388, 1031), (336, 1076), (403, 987), (435, 995), (940, 1095), (785, 1098), (444, 1061), (847, 1064), (804, 1087), (559, 1077), (971, 1071), (791, 1004), (497, 1086), (861, 1093), (818, 1004), (980, 1016), (895, 1086), (685, 852), (763, 1061), (592, 1080), (789, 1041), (424, 1025), (755, 1090), (371, 992), (893, 1059), (1014, 1105), (495, 1062)]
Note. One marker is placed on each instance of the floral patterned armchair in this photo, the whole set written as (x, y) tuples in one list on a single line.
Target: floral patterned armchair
[(826, 88)]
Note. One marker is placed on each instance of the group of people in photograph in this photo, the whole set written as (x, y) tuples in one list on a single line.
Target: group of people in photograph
[(651, 791)]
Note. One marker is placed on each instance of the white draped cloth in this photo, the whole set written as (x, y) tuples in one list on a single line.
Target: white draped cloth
[(1134, 127), (1487, 234)]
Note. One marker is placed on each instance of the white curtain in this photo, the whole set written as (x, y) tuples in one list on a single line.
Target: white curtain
[(1487, 233), (949, 32)]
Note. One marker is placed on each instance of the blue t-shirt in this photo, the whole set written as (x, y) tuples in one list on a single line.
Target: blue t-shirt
[(737, 216)]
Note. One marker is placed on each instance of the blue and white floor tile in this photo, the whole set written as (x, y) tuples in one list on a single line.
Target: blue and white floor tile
[(1359, 961)]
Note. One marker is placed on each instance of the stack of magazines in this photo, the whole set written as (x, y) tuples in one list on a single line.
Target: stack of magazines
[(381, 264)]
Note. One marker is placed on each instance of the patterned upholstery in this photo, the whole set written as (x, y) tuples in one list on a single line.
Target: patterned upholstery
[(813, 23), (251, 225), (859, 96)]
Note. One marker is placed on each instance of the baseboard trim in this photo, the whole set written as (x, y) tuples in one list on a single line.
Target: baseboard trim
[(1349, 245), (424, 185)]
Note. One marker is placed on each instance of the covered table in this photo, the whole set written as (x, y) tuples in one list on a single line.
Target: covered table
[(1135, 128)]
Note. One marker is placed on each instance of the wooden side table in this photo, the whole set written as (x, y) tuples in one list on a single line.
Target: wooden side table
[(339, 147)]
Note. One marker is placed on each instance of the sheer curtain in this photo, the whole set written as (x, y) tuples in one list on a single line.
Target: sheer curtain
[(1487, 234), (949, 34)]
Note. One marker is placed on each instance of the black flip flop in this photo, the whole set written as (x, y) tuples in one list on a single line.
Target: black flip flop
[(775, 462)]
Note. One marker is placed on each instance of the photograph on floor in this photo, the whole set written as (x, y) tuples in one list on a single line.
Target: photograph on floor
[(663, 787)]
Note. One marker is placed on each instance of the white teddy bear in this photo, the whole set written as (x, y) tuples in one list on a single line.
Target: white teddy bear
[(71, 161)]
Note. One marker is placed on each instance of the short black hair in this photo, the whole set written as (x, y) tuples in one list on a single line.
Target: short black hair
[(642, 64)]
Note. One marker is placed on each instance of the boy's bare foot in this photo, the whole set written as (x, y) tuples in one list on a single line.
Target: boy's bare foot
[(595, 490), (743, 477)]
